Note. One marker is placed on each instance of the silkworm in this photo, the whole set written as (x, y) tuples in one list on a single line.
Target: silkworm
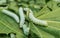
[(12, 35), (35, 20), (13, 15), (26, 29), (22, 17)]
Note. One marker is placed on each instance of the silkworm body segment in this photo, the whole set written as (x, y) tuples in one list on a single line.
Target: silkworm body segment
[(22, 17), (35, 20), (26, 29), (13, 15), (12, 35)]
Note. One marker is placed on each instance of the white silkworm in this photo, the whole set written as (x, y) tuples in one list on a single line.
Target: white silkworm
[(22, 17), (13, 15), (26, 29), (12, 35), (22, 20), (35, 20)]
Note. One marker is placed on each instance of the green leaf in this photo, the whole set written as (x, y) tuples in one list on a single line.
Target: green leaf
[(53, 5), (13, 7), (8, 25), (52, 16), (40, 33), (53, 29), (43, 11), (53, 20)]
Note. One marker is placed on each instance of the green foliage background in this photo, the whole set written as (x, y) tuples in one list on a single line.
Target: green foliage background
[(48, 10)]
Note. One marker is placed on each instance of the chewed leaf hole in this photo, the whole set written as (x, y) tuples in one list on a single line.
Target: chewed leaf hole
[(3, 35), (58, 4), (3, 5)]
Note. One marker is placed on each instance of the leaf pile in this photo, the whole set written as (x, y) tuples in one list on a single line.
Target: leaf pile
[(48, 10)]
